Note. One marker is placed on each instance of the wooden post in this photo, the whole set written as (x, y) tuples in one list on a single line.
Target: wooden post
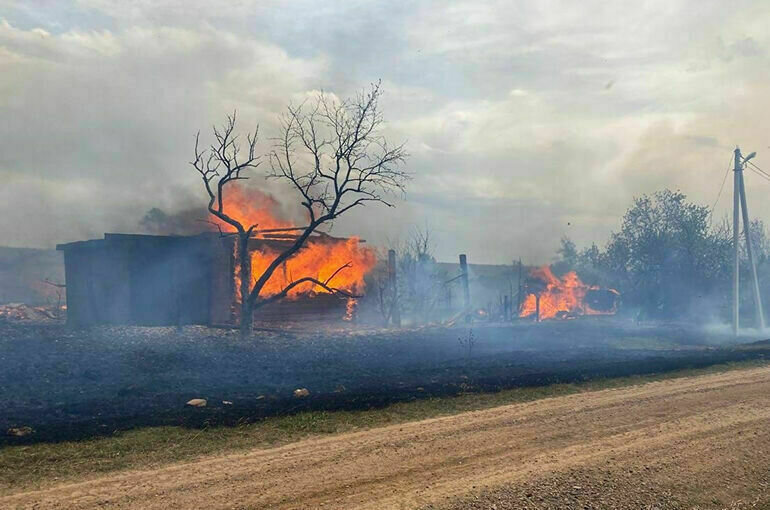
[(395, 314), (537, 307), (507, 308), (466, 288), (518, 296), (178, 289)]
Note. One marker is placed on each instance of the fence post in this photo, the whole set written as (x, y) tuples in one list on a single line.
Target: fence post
[(466, 288), (507, 308), (395, 314)]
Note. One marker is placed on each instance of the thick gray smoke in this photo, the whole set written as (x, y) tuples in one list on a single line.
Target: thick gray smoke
[(186, 222), (532, 122)]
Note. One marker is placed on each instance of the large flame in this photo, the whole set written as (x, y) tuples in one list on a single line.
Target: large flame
[(251, 206), (561, 297), (320, 258)]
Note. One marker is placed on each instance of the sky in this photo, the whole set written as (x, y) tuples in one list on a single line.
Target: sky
[(524, 121)]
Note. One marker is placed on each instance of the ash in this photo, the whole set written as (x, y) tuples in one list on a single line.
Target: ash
[(68, 383)]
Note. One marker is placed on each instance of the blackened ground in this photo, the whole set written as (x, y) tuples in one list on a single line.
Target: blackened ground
[(68, 384)]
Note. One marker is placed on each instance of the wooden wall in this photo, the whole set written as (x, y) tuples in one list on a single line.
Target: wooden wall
[(169, 280), (143, 280)]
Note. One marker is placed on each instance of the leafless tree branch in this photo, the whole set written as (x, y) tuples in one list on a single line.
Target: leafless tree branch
[(324, 285), (222, 163), (334, 155), (58, 285), (332, 152)]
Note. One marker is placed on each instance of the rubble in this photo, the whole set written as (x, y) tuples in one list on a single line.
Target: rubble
[(26, 313)]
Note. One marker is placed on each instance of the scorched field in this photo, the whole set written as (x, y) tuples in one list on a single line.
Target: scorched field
[(68, 384)]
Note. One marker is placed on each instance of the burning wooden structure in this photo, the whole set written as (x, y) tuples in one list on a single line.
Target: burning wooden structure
[(551, 297), (173, 280)]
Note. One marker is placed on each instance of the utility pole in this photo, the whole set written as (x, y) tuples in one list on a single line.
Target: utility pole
[(760, 317), (739, 197), (736, 239)]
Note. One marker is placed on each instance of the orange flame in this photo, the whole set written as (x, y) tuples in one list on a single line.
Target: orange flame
[(319, 258), (251, 206), (350, 309), (561, 297)]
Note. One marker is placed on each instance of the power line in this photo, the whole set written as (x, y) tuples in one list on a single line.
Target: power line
[(762, 174), (751, 166), (756, 168), (754, 165), (722, 187)]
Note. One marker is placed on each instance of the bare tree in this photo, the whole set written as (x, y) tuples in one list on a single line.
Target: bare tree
[(422, 280), (419, 281), (387, 288), (219, 165), (335, 157)]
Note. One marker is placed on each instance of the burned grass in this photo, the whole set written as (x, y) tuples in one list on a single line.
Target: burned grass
[(78, 384), (43, 464)]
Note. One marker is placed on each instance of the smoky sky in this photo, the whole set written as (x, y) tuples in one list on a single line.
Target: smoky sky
[(524, 121)]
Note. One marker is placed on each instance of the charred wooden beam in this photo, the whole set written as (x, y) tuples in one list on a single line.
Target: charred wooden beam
[(466, 288), (393, 284)]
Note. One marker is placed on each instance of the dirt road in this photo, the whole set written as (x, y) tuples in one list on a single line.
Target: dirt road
[(676, 430)]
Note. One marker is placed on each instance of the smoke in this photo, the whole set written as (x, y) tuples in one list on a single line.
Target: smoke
[(246, 204), (515, 136), (185, 222)]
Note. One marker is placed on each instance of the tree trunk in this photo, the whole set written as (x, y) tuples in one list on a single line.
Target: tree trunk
[(247, 308), (247, 311)]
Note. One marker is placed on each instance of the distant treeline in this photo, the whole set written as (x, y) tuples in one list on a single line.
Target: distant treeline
[(669, 260)]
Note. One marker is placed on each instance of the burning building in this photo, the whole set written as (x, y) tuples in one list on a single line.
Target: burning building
[(195, 279), (170, 280), (551, 297)]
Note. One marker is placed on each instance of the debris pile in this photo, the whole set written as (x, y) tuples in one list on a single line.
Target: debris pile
[(27, 313)]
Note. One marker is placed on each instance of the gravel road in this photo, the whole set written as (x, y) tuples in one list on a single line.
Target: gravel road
[(648, 445)]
